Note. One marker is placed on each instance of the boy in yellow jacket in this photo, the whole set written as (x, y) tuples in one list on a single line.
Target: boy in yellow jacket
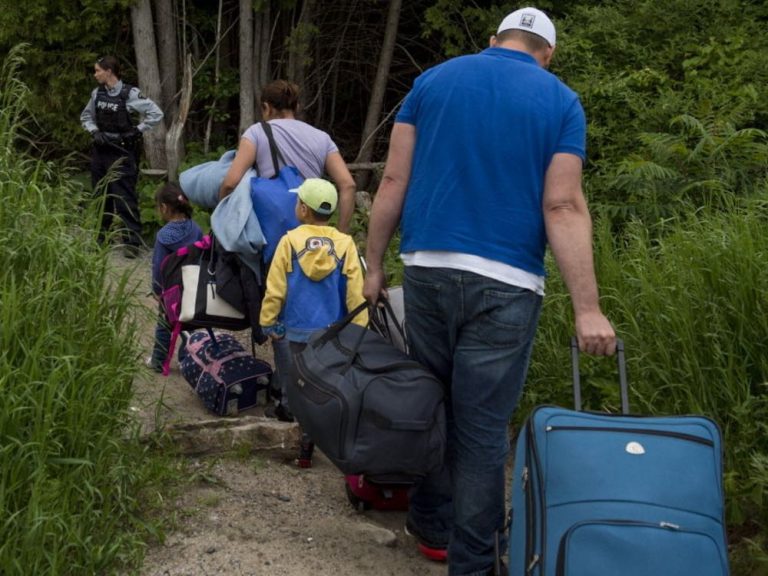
[(315, 279)]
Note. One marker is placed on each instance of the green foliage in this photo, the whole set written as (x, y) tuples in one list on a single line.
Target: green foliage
[(215, 92), (704, 163), (298, 42), (13, 97), (393, 266), (64, 39), (462, 29), (72, 471), (670, 100)]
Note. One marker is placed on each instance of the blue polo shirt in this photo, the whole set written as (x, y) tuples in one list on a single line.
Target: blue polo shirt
[(487, 126)]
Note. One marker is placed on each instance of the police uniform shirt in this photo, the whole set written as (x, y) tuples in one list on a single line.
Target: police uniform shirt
[(149, 113)]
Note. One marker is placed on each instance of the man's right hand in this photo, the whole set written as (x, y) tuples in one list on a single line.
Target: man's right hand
[(375, 285), (100, 139), (595, 334)]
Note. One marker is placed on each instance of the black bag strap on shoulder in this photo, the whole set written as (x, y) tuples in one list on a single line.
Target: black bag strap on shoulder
[(273, 149)]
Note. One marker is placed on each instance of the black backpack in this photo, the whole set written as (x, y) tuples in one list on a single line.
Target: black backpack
[(220, 275)]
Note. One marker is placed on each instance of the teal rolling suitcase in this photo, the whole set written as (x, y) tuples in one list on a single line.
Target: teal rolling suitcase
[(597, 494)]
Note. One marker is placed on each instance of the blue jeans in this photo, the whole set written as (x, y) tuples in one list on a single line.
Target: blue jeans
[(162, 343), (476, 335), (162, 339)]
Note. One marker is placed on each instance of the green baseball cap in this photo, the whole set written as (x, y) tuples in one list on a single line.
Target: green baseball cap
[(318, 194)]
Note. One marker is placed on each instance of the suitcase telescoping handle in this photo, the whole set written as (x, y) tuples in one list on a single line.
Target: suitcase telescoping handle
[(624, 389)]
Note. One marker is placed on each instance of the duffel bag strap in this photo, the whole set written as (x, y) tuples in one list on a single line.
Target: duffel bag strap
[(334, 329), (384, 306)]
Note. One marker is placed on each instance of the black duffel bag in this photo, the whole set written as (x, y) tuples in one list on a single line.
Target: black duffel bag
[(370, 408)]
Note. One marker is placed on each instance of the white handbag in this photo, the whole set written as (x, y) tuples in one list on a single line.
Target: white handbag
[(199, 301)]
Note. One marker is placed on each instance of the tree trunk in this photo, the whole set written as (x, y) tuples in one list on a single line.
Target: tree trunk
[(377, 94), (168, 56), (262, 43), (175, 139), (298, 54), (217, 64), (246, 65), (149, 77), (336, 67)]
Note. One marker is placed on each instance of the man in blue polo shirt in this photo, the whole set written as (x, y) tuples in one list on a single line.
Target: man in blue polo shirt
[(484, 170)]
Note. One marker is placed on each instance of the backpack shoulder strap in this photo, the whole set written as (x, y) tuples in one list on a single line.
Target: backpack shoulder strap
[(171, 347)]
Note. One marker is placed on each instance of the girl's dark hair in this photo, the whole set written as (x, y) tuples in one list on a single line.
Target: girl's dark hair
[(281, 95), (109, 63), (172, 195)]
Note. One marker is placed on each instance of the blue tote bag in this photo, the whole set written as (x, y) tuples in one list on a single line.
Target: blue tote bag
[(273, 203)]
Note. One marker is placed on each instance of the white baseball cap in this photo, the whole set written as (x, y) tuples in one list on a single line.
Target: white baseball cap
[(530, 20)]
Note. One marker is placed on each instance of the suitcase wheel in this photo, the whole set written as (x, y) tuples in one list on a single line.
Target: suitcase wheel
[(360, 505)]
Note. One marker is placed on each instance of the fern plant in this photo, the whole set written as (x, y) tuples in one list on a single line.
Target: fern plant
[(699, 162)]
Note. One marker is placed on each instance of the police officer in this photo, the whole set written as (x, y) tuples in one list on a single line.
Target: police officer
[(109, 118)]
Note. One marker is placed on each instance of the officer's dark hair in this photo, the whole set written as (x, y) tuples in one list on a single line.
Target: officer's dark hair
[(172, 195), (109, 63), (281, 95)]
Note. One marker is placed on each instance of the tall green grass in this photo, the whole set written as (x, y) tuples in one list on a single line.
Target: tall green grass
[(71, 466), (690, 299)]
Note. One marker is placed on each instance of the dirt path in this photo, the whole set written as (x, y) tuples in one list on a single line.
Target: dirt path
[(256, 513)]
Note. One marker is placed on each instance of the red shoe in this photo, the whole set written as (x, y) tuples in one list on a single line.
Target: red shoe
[(428, 549), (434, 554)]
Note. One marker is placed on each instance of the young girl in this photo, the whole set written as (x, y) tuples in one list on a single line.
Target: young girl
[(180, 230)]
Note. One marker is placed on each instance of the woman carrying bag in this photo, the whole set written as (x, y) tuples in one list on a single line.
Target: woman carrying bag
[(309, 149), (313, 153)]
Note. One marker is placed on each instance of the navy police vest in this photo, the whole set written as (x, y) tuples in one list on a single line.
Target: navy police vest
[(112, 111)]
